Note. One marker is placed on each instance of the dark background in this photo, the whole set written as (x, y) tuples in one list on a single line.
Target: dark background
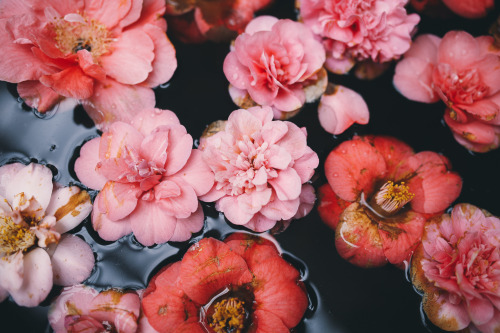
[(344, 298)]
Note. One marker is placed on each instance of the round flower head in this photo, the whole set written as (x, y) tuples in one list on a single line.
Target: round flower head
[(260, 166), (150, 179), (462, 71), (276, 63), (239, 285), (34, 215), (456, 267), (358, 30), (106, 54), (379, 195)]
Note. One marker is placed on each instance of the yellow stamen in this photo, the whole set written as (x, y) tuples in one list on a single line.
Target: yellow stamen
[(14, 237), (229, 316), (392, 197)]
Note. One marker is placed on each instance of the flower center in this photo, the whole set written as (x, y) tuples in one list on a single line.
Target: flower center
[(392, 197), (75, 32), (14, 237), (464, 87), (229, 316)]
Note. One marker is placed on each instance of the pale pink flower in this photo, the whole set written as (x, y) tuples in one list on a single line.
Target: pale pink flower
[(149, 177), (357, 30), (457, 267), (106, 54), (260, 166), (463, 72), (83, 309), (33, 215), (276, 63)]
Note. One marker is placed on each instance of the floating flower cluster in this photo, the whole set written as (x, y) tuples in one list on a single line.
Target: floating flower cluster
[(34, 215)]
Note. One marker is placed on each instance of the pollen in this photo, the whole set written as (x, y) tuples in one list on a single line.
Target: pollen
[(392, 197), (14, 237), (229, 316)]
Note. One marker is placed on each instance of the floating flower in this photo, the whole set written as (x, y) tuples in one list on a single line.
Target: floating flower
[(276, 63), (464, 72), (34, 214), (149, 177), (84, 309), (239, 285), (107, 55), (456, 267), (219, 20), (260, 166), (358, 30), (379, 195)]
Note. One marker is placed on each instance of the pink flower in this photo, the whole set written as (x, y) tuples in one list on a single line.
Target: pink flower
[(379, 195), (357, 30), (107, 55), (219, 20), (83, 309), (260, 166), (464, 72), (457, 268), (150, 179), (275, 63), (470, 8), (33, 216)]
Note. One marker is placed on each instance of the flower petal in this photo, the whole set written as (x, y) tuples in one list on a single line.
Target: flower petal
[(184, 228), (7, 172), (330, 206), (70, 206), (150, 118), (70, 82), (108, 229), (197, 173), (85, 165), (287, 185), (165, 62), (118, 200), (151, 224), (12, 271), (38, 96), (180, 145)]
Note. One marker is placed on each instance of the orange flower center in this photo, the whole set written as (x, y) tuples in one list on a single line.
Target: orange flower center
[(229, 316), (14, 237), (392, 197)]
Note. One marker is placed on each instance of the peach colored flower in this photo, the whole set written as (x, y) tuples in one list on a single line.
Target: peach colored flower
[(240, 285), (260, 166), (357, 30), (34, 214), (379, 195), (149, 177), (107, 54), (457, 268), (462, 71), (276, 63)]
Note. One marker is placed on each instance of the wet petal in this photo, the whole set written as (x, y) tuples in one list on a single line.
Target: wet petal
[(151, 223), (118, 200), (85, 165)]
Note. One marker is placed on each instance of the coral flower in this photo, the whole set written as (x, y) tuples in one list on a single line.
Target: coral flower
[(358, 30), (379, 195), (33, 216), (464, 72), (260, 166), (239, 285), (83, 309), (457, 268), (219, 20), (150, 179), (276, 63), (107, 54)]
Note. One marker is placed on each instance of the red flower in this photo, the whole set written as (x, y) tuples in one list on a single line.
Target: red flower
[(241, 284), (379, 195)]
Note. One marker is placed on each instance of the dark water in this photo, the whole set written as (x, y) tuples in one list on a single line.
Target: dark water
[(343, 298)]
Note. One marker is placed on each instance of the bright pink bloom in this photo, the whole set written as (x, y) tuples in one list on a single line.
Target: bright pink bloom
[(242, 282), (34, 213), (457, 268), (357, 30), (380, 196), (260, 166), (464, 72), (83, 309), (150, 179), (340, 107), (107, 54), (274, 62), (219, 20)]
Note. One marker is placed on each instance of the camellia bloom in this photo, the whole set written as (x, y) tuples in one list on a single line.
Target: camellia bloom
[(220, 20), (358, 30), (260, 166), (33, 216), (456, 267), (464, 72), (239, 285), (150, 179), (276, 63), (107, 55), (84, 309), (379, 195)]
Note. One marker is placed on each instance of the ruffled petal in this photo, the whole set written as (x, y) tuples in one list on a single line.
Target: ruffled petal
[(118, 200), (184, 228), (150, 118), (151, 223), (70, 82), (165, 62), (108, 229)]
